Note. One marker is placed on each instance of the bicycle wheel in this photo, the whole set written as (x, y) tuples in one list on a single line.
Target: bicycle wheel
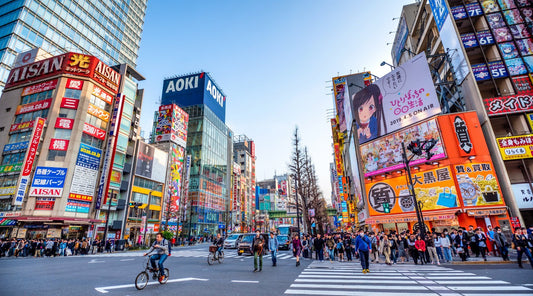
[(141, 280), (210, 258), (221, 257), (165, 279)]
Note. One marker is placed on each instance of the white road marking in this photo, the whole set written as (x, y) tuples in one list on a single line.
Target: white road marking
[(492, 282), (356, 287), (127, 259), (350, 293), (96, 261), (251, 282), (357, 281), (489, 288), (105, 289)]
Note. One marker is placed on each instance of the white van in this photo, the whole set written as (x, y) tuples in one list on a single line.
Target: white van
[(233, 240)]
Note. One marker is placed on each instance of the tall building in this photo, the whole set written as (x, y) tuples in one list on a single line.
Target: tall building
[(209, 147), (482, 52), (244, 155), (109, 30), (67, 132)]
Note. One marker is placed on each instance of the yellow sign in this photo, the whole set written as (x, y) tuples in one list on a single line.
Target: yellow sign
[(529, 117), (7, 190), (478, 184), (518, 147)]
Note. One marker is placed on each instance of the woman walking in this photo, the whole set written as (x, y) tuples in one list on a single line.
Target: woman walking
[(420, 246), (297, 248)]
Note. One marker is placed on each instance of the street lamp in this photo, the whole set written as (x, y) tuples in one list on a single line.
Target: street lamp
[(417, 147), (385, 63)]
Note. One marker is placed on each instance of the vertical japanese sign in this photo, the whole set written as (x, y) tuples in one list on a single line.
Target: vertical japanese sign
[(28, 160)]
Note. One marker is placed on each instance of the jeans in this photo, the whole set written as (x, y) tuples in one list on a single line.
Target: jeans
[(260, 255), (219, 250), (320, 254), (528, 255), (274, 253), (504, 252), (331, 254), (439, 253), (364, 256), (161, 258), (447, 253)]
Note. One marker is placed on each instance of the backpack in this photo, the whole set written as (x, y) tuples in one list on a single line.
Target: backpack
[(339, 245), (169, 247)]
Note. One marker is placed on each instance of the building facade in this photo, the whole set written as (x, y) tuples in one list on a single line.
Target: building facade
[(209, 147), (244, 155), (60, 115), (108, 30)]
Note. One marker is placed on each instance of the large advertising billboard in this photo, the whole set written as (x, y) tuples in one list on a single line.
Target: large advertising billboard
[(48, 182), (404, 96), (518, 147), (176, 174), (85, 173), (195, 89), (340, 91), (478, 184), (172, 125), (354, 166), (151, 163), (385, 154)]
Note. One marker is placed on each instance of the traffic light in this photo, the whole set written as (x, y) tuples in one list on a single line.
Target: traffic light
[(415, 147), (386, 208)]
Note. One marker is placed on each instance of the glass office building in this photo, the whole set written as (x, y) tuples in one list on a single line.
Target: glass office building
[(109, 30)]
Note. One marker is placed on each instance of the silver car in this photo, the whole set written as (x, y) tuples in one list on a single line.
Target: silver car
[(232, 241)]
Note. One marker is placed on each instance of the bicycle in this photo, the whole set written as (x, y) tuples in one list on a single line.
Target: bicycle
[(141, 281), (212, 257)]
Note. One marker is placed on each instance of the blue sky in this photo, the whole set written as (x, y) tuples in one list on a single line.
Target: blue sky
[(274, 60)]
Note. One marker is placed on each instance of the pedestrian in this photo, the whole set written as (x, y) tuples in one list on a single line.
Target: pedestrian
[(502, 243), (330, 244), (319, 247), (393, 238), (491, 245), (386, 249), (445, 244), (431, 249), (273, 246), (413, 252), (420, 246), (348, 247), (481, 243), (340, 249), (374, 240), (470, 235), (520, 243), (363, 249), (297, 248), (402, 248), (257, 247), (460, 243)]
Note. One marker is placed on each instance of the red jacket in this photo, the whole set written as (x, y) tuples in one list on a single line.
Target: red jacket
[(420, 245)]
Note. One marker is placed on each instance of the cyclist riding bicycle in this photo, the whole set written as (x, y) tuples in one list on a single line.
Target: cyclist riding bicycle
[(219, 242), (161, 247)]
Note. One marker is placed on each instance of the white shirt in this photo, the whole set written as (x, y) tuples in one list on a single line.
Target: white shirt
[(445, 242)]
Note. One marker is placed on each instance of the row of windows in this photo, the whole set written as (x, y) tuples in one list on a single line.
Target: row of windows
[(95, 121), (13, 158), (148, 184), (72, 93), (56, 155), (37, 97), (63, 134), (31, 116), (20, 137), (8, 181), (92, 141), (67, 113), (99, 102)]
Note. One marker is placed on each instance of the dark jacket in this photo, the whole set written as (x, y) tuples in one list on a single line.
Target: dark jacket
[(258, 243), (500, 240), (520, 241), (480, 238), (319, 243)]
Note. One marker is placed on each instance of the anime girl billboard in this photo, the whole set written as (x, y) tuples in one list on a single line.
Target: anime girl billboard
[(404, 96)]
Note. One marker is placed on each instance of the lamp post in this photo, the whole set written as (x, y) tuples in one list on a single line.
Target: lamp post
[(417, 147), (146, 214)]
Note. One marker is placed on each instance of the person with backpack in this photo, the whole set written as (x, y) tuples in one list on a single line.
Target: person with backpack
[(257, 247), (340, 249), (521, 246), (161, 246)]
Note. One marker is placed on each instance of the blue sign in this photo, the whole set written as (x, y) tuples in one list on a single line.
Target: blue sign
[(474, 9), (485, 37), (196, 89), (49, 177), (481, 72), (89, 157), (497, 70), (440, 11), (16, 146), (458, 12), (469, 40)]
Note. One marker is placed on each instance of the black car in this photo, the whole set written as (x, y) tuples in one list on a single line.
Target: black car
[(245, 246), (284, 242)]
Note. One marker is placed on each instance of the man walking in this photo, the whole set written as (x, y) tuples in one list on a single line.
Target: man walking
[(273, 246), (363, 248), (257, 247), (319, 247)]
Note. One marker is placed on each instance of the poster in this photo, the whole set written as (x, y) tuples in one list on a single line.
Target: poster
[(385, 154), (85, 173), (341, 93), (495, 20), (516, 66), (502, 34), (481, 72), (404, 96), (522, 84), (478, 185), (518, 147), (523, 195), (509, 104), (508, 50), (434, 188), (520, 31), (48, 182)]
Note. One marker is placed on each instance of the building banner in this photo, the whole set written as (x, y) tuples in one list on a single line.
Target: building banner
[(48, 182), (39, 87), (404, 96), (385, 154), (518, 147), (77, 206), (509, 104), (478, 185), (28, 161), (434, 188), (176, 174), (523, 195), (44, 203), (85, 173)]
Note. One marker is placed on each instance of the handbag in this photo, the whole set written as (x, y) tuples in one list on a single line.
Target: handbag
[(490, 195), (447, 199)]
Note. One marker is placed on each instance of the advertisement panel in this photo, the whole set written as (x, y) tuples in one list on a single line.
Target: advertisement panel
[(404, 96), (522, 84), (28, 160), (354, 166), (9, 168), (518, 147), (7, 190), (509, 104), (69, 103), (102, 114), (44, 203), (35, 106), (64, 123), (151, 163), (435, 189), (58, 144), (340, 91), (481, 72), (16, 146), (399, 41), (23, 126), (77, 206), (172, 125), (94, 131), (176, 172), (523, 195), (102, 94), (85, 173), (529, 117), (39, 87), (469, 40), (74, 84), (478, 184), (214, 98), (485, 37), (385, 154), (48, 182)]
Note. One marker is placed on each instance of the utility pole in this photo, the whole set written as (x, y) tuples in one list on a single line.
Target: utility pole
[(146, 215)]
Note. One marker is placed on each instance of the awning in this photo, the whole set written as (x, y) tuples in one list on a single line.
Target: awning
[(487, 212), (411, 217)]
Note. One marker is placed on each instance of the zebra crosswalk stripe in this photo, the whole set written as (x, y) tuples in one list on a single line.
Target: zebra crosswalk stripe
[(347, 280)]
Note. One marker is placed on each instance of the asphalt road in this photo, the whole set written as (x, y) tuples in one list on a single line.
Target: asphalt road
[(114, 274)]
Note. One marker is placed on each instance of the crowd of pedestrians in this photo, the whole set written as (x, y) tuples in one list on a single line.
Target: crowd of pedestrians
[(53, 247), (435, 248)]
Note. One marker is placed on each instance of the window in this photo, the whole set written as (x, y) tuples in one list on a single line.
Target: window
[(13, 158), (63, 134), (1, 129), (37, 97), (155, 200), (92, 141), (72, 93), (56, 155), (20, 137), (95, 121), (67, 113)]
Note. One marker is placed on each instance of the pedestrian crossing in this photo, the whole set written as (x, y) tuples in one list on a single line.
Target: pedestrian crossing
[(321, 278), (190, 254)]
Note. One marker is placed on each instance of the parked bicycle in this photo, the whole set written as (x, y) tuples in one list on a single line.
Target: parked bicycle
[(144, 276), (214, 256)]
